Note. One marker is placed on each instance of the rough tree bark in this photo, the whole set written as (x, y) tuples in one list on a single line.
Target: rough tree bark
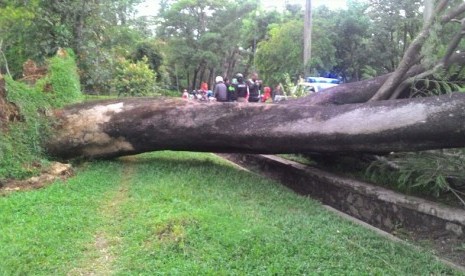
[(121, 127)]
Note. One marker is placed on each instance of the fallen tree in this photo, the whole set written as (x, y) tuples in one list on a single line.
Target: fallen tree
[(129, 126), (353, 117)]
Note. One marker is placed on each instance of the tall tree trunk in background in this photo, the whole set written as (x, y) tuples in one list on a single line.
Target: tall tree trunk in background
[(194, 79), (224, 66), (211, 77), (202, 74), (307, 37), (78, 28), (231, 63), (428, 12)]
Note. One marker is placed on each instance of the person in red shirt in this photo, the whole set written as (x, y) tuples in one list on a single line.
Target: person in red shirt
[(203, 91), (204, 86), (266, 94)]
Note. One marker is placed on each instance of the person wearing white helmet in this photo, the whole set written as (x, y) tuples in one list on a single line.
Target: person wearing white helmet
[(220, 91)]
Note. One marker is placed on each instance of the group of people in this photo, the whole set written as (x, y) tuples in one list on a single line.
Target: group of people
[(238, 90), (203, 94)]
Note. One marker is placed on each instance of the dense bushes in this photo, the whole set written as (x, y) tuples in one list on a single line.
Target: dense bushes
[(21, 154)]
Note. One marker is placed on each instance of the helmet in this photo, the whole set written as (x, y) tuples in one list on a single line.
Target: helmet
[(239, 75), (219, 79)]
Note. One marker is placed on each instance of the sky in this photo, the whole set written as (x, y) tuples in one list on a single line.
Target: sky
[(150, 7)]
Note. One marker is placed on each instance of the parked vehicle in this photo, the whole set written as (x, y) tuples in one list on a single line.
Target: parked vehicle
[(314, 84)]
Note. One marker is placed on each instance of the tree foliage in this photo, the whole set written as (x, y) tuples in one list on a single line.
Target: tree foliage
[(394, 24), (134, 79), (197, 40), (282, 52), (95, 30)]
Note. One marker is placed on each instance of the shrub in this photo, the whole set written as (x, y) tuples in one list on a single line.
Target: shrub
[(134, 79), (61, 84)]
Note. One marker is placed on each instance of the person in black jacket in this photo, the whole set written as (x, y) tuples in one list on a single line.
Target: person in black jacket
[(255, 87), (242, 89)]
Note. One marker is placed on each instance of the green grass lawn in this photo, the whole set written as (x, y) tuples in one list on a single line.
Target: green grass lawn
[(187, 214)]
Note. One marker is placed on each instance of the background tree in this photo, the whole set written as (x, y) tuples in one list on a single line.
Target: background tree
[(186, 24), (208, 39), (14, 19), (255, 27), (394, 24), (153, 52), (351, 35), (281, 53), (91, 28)]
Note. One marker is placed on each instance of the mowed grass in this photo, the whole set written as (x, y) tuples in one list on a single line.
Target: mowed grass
[(179, 213), (47, 231)]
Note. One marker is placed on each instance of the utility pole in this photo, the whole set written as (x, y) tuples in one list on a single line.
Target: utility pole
[(307, 37)]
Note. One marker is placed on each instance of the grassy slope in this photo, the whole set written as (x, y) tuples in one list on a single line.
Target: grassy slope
[(21, 154), (186, 213)]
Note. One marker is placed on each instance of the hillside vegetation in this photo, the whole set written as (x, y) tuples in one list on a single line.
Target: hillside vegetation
[(21, 154)]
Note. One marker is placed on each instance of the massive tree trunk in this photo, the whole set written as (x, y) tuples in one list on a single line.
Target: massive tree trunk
[(129, 126)]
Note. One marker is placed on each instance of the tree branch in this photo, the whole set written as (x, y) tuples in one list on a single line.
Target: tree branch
[(456, 11), (410, 56), (451, 48)]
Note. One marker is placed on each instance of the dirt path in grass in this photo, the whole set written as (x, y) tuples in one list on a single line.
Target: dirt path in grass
[(99, 259)]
